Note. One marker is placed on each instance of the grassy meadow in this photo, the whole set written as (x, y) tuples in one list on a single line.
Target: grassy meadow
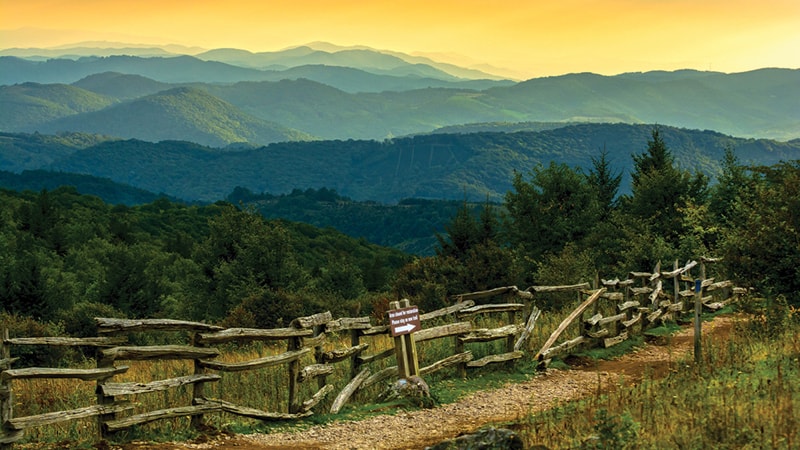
[(744, 395)]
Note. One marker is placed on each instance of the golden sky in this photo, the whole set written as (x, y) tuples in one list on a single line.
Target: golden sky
[(534, 38)]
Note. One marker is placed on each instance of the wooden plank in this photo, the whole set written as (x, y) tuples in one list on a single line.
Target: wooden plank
[(719, 285), (654, 315), (566, 322), (526, 332), (380, 375), (611, 319), (309, 404), (452, 329), (567, 288), (563, 347), (674, 307), (601, 333), (610, 283), (49, 372), (492, 293), (21, 423), (69, 342), (158, 352), (641, 290), (615, 340), (491, 308), (486, 335), (628, 323), (679, 271), (348, 323), (342, 354), (376, 357), (592, 321), (627, 305), (639, 274), (250, 334), (348, 391), (483, 294), (133, 388), (613, 296), (378, 329), (313, 320), (139, 419), (246, 411), (314, 341), (447, 311), (253, 364), (313, 371), (502, 357), (450, 361), (654, 295), (108, 325)]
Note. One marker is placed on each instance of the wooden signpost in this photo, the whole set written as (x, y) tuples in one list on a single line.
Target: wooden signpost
[(403, 322), (698, 309)]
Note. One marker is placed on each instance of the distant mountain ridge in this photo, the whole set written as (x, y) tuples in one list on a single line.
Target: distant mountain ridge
[(316, 53), (761, 103)]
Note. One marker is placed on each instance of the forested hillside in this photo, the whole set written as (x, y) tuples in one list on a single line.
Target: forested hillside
[(69, 257), (440, 166)]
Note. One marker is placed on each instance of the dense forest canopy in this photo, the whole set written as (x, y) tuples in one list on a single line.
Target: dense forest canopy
[(67, 257)]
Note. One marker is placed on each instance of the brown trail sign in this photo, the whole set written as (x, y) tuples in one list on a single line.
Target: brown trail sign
[(403, 321)]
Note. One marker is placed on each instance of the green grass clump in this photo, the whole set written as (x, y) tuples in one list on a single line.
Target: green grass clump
[(744, 394)]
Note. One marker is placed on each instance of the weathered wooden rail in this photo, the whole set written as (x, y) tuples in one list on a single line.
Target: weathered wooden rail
[(638, 309), (308, 356)]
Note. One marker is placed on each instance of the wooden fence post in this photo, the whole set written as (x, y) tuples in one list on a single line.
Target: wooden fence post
[(355, 365), (698, 306), (294, 344), (198, 390), (6, 396)]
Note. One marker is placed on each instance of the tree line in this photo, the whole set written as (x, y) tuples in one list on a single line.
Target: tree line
[(562, 225), (67, 257)]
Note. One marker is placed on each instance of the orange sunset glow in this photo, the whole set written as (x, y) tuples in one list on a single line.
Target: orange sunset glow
[(529, 38)]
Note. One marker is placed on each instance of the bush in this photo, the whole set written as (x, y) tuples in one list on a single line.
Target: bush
[(34, 355)]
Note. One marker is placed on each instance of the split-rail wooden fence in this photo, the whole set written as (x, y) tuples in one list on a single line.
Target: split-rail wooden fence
[(306, 358)]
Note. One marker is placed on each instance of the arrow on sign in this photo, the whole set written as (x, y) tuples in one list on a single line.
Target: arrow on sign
[(404, 329)]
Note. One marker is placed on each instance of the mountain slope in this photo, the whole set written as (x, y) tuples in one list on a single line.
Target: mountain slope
[(24, 106), (121, 86), (432, 166), (178, 114)]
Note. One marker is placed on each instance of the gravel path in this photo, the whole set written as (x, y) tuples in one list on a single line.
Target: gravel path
[(418, 429)]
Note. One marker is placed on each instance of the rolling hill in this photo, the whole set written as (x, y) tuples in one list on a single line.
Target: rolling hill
[(347, 103), (28, 105), (440, 166), (177, 114)]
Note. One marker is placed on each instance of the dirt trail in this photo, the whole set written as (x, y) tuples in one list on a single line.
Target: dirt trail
[(418, 429)]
